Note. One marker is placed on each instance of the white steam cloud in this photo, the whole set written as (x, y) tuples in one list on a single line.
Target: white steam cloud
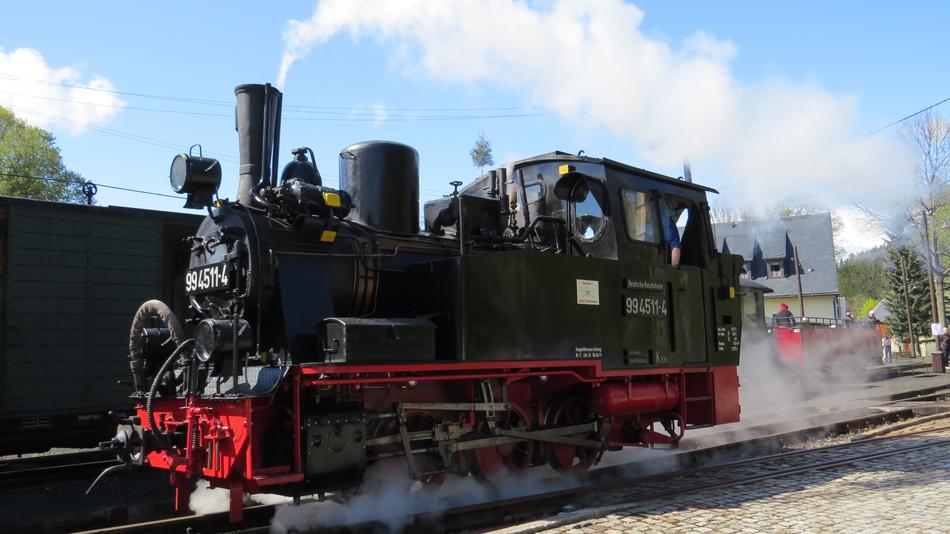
[(41, 94), (590, 63)]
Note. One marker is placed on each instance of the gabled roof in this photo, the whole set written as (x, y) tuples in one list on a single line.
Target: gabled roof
[(882, 311), (762, 240)]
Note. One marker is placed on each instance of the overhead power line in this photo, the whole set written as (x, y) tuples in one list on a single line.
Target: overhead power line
[(115, 92), (67, 181), (914, 114), (332, 116), (539, 110), (118, 133)]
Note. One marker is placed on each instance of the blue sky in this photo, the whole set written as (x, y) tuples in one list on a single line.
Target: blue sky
[(789, 81)]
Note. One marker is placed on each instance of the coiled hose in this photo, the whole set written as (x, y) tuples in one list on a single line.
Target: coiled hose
[(145, 313), (159, 433)]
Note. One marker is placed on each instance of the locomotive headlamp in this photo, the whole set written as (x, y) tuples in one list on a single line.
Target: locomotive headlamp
[(196, 176), (215, 337)]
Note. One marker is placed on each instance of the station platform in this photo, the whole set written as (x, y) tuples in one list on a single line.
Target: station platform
[(784, 409)]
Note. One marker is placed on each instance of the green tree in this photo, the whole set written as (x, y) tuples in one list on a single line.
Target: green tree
[(31, 165), (863, 276), (868, 305), (918, 293), (481, 154), (929, 136)]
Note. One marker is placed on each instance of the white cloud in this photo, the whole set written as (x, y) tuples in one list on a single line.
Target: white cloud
[(588, 61), (41, 94)]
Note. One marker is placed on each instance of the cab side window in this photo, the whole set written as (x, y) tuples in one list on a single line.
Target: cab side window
[(640, 216), (688, 221)]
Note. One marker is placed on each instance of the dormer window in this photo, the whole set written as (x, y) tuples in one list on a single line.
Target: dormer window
[(776, 270)]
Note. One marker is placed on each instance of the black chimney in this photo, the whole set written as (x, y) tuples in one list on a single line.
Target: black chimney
[(257, 121)]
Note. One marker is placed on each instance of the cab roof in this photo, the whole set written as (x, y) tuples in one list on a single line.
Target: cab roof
[(616, 165)]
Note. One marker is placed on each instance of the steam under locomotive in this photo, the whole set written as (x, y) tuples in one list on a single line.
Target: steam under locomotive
[(534, 319)]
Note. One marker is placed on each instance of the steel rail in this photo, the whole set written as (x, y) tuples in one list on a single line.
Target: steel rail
[(28, 462), (53, 473), (599, 511), (510, 510), (482, 515)]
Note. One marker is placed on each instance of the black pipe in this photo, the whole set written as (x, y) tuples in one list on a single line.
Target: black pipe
[(276, 136), (150, 396), (235, 324), (256, 117), (266, 144), (503, 196), (524, 196)]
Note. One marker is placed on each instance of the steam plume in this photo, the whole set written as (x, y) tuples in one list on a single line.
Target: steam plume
[(588, 61)]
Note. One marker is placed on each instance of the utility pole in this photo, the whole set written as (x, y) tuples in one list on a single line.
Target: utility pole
[(910, 328), (798, 274), (932, 286)]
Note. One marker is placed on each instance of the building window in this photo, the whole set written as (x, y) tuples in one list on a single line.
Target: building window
[(775, 269)]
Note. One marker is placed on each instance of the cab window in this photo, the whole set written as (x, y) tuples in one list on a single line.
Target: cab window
[(688, 221), (640, 216), (589, 216)]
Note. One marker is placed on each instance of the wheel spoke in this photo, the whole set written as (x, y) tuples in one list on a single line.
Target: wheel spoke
[(566, 411)]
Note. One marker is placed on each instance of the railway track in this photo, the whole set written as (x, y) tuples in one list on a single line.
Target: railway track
[(35, 470), (768, 438), (600, 487), (884, 373)]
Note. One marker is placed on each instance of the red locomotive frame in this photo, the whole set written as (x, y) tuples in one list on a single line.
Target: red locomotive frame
[(223, 434)]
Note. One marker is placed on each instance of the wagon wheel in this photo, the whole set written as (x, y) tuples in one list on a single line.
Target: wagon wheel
[(489, 461), (569, 410)]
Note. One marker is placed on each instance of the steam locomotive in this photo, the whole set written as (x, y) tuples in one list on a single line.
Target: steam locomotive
[(535, 318)]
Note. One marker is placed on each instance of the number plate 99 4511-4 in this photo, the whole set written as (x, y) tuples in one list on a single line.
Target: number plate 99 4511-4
[(208, 278)]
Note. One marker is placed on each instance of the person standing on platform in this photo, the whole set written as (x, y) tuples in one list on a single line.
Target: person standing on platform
[(784, 317), (944, 346), (886, 348), (849, 319)]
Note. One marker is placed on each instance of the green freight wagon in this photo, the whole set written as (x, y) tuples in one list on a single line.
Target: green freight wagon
[(70, 278)]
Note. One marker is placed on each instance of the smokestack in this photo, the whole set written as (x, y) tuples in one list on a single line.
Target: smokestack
[(257, 121)]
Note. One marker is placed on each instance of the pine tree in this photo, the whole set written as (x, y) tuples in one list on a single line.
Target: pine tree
[(481, 154), (917, 290)]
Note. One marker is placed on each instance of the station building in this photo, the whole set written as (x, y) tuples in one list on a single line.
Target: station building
[(768, 247)]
